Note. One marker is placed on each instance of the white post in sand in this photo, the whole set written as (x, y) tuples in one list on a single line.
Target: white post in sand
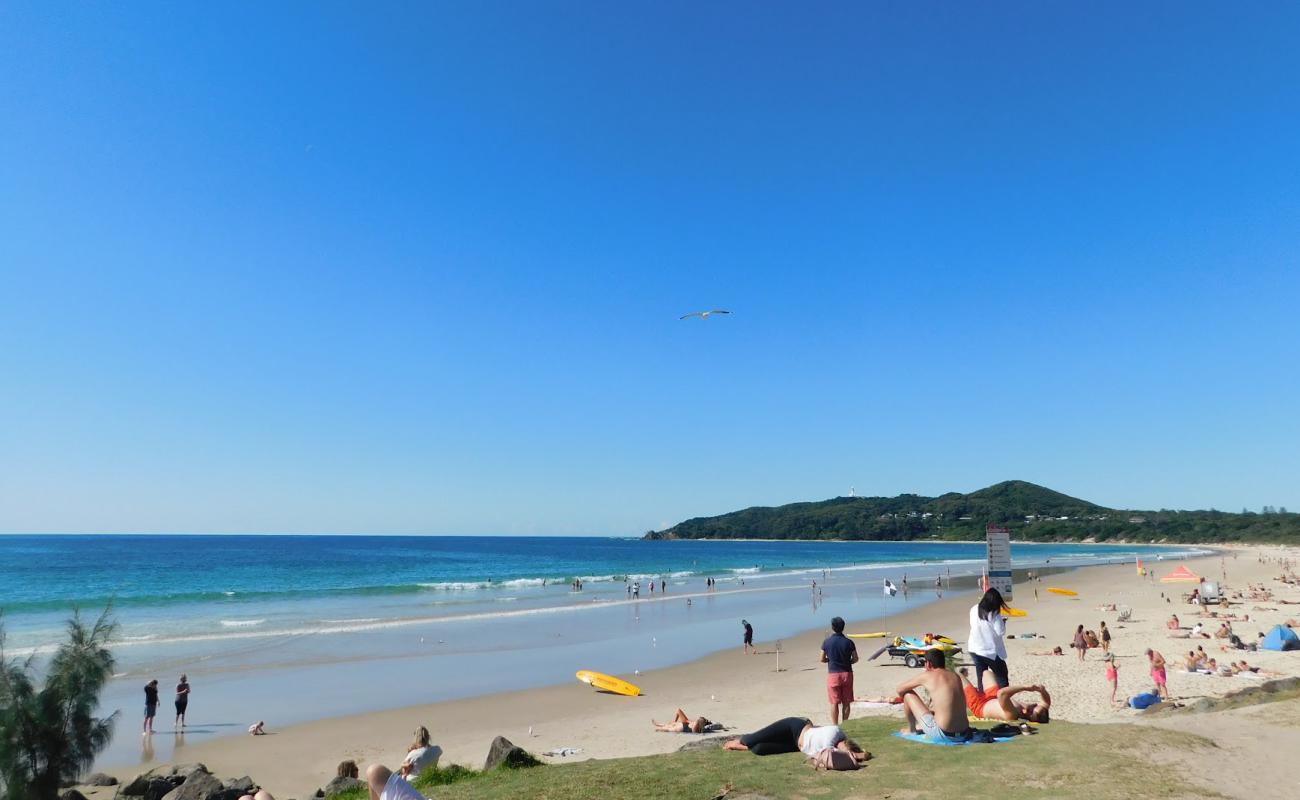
[(778, 656)]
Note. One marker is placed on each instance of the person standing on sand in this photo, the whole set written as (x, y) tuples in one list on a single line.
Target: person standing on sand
[(182, 701), (150, 705), (839, 654), (749, 637), (1112, 676), (1158, 673), (1105, 638), (1080, 642), (985, 642)]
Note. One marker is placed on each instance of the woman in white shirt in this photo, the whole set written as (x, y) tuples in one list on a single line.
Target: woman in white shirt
[(985, 645)]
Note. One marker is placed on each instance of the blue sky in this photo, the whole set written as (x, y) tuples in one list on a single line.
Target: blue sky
[(417, 267)]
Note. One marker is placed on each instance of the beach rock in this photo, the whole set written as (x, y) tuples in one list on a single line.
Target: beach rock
[(242, 785), (505, 753), (100, 779), (184, 770), (198, 785), (151, 786), (341, 785), (71, 794)]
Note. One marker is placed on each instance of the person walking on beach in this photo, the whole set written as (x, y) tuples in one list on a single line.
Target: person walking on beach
[(182, 700), (1080, 642), (985, 643), (749, 637), (1105, 638), (839, 654), (1158, 673), (150, 705)]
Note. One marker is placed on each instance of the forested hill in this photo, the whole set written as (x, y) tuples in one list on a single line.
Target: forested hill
[(1032, 512)]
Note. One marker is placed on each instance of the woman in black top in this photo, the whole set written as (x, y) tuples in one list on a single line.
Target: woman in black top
[(182, 700), (150, 704)]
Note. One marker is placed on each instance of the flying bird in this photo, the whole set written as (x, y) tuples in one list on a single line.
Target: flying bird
[(703, 314)]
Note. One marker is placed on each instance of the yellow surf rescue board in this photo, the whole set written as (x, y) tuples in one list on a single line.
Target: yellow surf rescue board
[(607, 683), (1063, 592), (876, 635), (1015, 612)]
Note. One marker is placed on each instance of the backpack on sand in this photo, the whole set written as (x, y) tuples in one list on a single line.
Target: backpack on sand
[(833, 758)]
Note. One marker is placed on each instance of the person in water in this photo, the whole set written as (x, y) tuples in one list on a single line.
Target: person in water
[(943, 719), (997, 703), (150, 705)]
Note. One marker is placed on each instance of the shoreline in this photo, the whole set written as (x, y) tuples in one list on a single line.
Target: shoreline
[(740, 691)]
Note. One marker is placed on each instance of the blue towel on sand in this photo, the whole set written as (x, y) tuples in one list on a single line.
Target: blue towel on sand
[(920, 737)]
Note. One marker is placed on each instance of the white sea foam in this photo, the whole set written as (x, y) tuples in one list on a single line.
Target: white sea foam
[(241, 623)]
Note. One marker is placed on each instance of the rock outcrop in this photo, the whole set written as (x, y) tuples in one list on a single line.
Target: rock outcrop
[(505, 753)]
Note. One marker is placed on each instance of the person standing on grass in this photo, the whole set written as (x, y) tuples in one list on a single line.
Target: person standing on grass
[(150, 705), (839, 654), (985, 642), (749, 637)]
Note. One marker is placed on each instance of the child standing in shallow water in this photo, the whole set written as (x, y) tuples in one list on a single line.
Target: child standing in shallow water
[(1112, 676)]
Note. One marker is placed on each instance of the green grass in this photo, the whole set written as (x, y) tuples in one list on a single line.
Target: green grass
[(1063, 761)]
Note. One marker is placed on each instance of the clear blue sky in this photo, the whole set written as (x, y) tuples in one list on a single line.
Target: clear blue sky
[(417, 267)]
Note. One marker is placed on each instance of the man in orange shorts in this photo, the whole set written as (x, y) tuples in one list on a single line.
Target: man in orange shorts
[(839, 654), (995, 703)]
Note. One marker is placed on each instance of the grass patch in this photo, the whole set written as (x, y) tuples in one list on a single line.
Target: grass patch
[(1096, 762), (444, 776)]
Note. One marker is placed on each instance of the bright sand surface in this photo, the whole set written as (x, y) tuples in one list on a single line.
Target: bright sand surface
[(746, 692)]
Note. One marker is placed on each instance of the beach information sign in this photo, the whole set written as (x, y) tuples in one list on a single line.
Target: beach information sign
[(999, 563)]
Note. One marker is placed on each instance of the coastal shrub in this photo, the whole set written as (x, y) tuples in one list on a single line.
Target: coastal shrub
[(51, 735), (442, 776)]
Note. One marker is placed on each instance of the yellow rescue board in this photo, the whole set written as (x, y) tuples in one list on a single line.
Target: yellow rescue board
[(876, 635), (1063, 592), (607, 683), (1015, 612)]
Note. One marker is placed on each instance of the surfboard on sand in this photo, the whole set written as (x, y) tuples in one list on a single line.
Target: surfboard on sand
[(1015, 612), (876, 635), (607, 683), (1063, 592)]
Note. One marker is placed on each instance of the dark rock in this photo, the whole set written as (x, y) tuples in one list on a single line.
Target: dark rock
[(244, 784), (505, 753), (71, 794), (199, 785), (184, 770), (100, 779), (341, 785), (150, 786), (68, 783), (707, 743)]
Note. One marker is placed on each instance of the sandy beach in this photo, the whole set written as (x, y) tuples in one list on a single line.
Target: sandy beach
[(744, 692)]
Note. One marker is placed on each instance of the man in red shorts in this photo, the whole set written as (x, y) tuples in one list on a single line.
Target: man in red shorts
[(839, 654)]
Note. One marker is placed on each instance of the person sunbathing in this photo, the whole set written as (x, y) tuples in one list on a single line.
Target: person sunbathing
[(682, 724), (1173, 624), (792, 735), (1242, 666), (1056, 651), (995, 703), (1194, 661), (1224, 632), (943, 719)]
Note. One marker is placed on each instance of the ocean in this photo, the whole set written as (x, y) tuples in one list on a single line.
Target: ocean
[(270, 627)]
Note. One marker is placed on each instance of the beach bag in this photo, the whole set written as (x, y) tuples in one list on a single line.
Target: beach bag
[(1144, 700), (833, 758)]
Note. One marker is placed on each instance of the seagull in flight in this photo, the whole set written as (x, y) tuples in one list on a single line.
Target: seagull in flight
[(704, 314)]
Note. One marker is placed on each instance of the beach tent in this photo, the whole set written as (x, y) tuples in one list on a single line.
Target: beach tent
[(1181, 574), (1281, 638)]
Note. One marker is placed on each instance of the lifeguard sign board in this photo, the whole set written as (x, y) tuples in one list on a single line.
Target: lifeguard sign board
[(999, 559)]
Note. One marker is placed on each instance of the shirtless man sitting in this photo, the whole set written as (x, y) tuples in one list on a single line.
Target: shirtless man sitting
[(996, 703), (944, 719)]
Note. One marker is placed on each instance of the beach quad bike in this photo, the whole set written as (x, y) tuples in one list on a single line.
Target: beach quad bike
[(912, 649)]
